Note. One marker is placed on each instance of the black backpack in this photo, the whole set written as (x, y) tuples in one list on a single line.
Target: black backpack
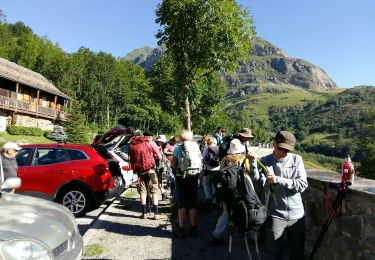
[(236, 190), (212, 158), (224, 146)]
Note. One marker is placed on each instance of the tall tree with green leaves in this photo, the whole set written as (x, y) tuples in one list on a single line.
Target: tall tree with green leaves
[(206, 97), (367, 168), (202, 36)]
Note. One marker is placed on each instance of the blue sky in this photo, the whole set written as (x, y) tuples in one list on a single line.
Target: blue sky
[(336, 35)]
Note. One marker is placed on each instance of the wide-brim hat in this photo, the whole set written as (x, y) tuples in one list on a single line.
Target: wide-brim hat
[(236, 146), (286, 140), (161, 138), (245, 132)]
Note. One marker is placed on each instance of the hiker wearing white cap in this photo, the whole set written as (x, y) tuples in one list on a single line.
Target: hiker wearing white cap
[(8, 159), (236, 155)]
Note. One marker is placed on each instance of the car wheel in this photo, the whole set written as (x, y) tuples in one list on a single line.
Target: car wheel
[(76, 200)]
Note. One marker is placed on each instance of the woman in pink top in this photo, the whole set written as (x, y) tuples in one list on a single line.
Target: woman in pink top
[(169, 148)]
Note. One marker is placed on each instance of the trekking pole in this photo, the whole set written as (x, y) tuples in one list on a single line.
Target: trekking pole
[(263, 167), (336, 205)]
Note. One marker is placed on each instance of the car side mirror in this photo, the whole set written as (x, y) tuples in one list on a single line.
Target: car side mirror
[(11, 183)]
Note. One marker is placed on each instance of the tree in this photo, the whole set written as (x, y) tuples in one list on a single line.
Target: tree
[(367, 168), (206, 98), (202, 36), (75, 126), (3, 17), (58, 134)]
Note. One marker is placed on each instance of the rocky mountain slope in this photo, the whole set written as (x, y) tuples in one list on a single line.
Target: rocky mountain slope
[(266, 64)]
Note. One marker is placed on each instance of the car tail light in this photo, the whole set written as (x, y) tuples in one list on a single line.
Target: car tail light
[(100, 169)]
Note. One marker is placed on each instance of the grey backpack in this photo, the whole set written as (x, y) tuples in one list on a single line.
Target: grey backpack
[(190, 164)]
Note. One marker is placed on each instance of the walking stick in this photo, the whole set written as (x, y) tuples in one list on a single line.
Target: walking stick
[(336, 205)]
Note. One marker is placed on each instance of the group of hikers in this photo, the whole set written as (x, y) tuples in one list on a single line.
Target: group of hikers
[(248, 191)]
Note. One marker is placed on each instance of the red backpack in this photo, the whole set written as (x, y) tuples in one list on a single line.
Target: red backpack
[(140, 154)]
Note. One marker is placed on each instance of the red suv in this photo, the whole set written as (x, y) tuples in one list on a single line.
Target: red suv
[(73, 175)]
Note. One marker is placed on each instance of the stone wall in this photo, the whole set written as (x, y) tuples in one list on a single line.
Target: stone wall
[(351, 235), (28, 121)]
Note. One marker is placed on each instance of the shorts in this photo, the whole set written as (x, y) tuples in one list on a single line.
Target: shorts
[(148, 182), (186, 192)]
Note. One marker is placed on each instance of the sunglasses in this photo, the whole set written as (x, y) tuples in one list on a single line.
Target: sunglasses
[(283, 150)]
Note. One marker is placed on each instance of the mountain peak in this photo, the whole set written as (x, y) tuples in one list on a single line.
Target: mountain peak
[(267, 64)]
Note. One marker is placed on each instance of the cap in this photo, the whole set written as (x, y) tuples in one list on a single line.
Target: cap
[(11, 145), (245, 132), (161, 138), (236, 146), (137, 133), (220, 128), (286, 140), (147, 133)]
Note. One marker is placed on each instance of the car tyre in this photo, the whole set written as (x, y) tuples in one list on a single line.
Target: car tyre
[(76, 199)]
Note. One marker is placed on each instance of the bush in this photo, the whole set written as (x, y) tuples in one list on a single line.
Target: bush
[(22, 130)]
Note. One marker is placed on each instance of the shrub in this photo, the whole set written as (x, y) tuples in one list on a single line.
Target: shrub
[(22, 130)]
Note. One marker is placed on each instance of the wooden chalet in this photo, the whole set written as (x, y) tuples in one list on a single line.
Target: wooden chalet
[(26, 92)]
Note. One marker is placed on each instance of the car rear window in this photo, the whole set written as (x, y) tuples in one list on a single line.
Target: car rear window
[(46, 156), (76, 155)]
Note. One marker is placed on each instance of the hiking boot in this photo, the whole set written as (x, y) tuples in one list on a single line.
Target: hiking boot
[(214, 241), (179, 232), (193, 231), (143, 216)]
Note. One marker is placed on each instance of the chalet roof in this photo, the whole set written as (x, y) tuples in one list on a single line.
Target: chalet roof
[(17, 73)]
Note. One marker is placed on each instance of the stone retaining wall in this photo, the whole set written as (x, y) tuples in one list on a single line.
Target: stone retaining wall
[(28, 121), (351, 234)]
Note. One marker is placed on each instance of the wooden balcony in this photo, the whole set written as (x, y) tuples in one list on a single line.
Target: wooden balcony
[(31, 109)]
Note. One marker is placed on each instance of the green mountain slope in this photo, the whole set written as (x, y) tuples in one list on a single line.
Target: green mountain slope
[(269, 78)]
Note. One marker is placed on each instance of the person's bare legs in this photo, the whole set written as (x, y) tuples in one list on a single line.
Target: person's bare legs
[(143, 198), (193, 217), (155, 199), (181, 217)]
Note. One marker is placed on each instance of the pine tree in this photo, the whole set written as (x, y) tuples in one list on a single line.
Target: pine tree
[(78, 132), (58, 134)]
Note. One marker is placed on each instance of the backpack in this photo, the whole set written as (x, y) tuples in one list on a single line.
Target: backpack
[(190, 164), (212, 158), (234, 187), (224, 146), (140, 154)]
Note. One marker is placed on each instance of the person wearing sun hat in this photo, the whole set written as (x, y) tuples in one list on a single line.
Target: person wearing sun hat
[(8, 159), (284, 181), (236, 155)]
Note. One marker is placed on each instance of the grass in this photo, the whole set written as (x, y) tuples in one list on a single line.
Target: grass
[(131, 193), (93, 250), (314, 166), (259, 104), (24, 139), (320, 138)]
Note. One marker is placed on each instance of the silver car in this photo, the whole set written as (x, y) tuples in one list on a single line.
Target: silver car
[(32, 228)]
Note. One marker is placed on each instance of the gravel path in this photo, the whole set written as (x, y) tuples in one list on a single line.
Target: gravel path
[(121, 234)]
